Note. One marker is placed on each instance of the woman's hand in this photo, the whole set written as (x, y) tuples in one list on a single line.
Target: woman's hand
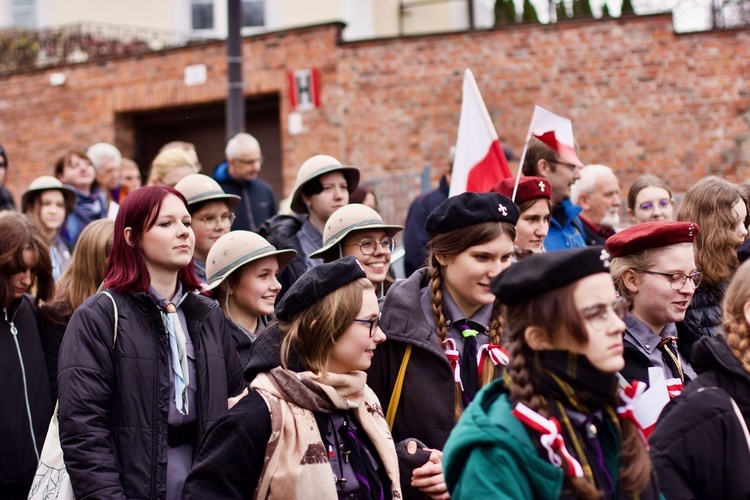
[(429, 477), (233, 401)]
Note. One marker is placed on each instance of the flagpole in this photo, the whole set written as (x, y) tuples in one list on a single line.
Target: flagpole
[(520, 165)]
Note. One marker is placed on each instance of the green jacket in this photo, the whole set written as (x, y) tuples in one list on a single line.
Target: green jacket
[(490, 454)]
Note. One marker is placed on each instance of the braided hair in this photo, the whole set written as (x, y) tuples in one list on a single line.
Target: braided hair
[(450, 244), (554, 312)]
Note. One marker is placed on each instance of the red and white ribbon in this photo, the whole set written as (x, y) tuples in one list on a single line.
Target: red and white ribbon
[(629, 395), (551, 439), (497, 353), (674, 387), (453, 358)]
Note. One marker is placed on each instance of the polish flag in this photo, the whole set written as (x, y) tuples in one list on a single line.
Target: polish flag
[(556, 132), (480, 162)]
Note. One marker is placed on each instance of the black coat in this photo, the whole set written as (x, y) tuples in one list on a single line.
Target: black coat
[(18, 460), (702, 319), (281, 232), (698, 447), (114, 404), (257, 202), (415, 235)]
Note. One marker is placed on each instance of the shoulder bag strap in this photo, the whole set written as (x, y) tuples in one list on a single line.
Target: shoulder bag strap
[(114, 304), (742, 421), (396, 394)]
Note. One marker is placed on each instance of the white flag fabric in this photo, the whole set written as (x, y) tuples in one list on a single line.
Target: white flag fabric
[(480, 162)]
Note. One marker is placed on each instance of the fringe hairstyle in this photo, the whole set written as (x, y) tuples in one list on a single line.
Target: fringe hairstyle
[(736, 326), (313, 332), (556, 314), (642, 183), (709, 203), (18, 235), (639, 261), (453, 243)]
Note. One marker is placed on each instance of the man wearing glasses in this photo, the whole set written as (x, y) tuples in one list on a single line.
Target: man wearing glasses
[(239, 176), (565, 227)]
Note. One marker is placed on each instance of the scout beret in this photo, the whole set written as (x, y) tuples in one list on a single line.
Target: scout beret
[(651, 235), (316, 283), (542, 272), (529, 188), (468, 209)]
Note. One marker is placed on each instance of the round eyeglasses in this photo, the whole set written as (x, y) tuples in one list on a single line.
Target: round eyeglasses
[(211, 223), (678, 280), (374, 323), (598, 315), (649, 206), (369, 246)]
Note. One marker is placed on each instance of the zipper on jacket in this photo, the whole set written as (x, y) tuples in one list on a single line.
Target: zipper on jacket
[(14, 332)]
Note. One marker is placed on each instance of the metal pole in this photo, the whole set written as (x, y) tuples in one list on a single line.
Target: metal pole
[(471, 14), (235, 109)]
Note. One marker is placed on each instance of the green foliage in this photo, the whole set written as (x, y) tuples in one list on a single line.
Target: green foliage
[(561, 11), (529, 12), (505, 12), (605, 11), (627, 7)]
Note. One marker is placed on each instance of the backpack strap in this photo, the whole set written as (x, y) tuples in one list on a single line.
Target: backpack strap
[(396, 394), (116, 313)]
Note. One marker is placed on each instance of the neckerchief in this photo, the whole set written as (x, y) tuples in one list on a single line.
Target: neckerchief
[(578, 395)]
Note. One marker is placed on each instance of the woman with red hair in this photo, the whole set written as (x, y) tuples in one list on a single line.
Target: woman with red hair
[(134, 405)]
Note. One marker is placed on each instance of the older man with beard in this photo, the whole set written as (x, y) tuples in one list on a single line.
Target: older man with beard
[(597, 192)]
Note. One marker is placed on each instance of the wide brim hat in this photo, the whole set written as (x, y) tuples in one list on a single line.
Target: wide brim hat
[(237, 248), (352, 217), (315, 167), (197, 188), (45, 183)]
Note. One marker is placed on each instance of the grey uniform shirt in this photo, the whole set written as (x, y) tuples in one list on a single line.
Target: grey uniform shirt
[(646, 341)]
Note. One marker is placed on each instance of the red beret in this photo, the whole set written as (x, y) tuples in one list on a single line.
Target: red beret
[(529, 188), (651, 235)]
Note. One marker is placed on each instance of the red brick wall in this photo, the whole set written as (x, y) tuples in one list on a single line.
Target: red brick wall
[(642, 99)]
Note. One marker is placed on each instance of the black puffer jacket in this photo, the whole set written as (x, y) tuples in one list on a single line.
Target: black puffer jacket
[(114, 404), (281, 231), (699, 448), (702, 319), (18, 460)]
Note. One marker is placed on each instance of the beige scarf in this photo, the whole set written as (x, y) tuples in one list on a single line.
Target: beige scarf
[(296, 462)]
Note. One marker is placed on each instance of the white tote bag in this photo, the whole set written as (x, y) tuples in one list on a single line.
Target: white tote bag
[(51, 481)]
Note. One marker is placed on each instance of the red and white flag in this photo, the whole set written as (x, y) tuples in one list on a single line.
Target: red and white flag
[(480, 162), (556, 132)]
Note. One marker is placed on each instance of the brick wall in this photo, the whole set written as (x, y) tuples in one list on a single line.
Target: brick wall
[(642, 99)]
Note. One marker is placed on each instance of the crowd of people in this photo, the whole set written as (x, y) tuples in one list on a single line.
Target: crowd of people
[(195, 341)]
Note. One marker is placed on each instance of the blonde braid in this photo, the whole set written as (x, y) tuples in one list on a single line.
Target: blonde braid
[(436, 283), (496, 337), (739, 341)]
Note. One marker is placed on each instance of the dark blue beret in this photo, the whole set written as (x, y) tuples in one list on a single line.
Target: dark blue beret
[(316, 283), (468, 209), (542, 272)]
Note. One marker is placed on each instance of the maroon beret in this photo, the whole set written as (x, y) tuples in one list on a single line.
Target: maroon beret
[(651, 235), (529, 188)]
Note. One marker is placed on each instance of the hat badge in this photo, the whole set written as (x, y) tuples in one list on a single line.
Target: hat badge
[(541, 186), (691, 230), (604, 257), (501, 208)]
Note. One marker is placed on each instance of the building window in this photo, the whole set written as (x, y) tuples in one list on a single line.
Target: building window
[(24, 13), (202, 12), (253, 13)]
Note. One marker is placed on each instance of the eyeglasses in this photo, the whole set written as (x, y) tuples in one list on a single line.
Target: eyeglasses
[(598, 315), (565, 164), (648, 206), (374, 323), (678, 280), (212, 222), (249, 162), (369, 246)]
